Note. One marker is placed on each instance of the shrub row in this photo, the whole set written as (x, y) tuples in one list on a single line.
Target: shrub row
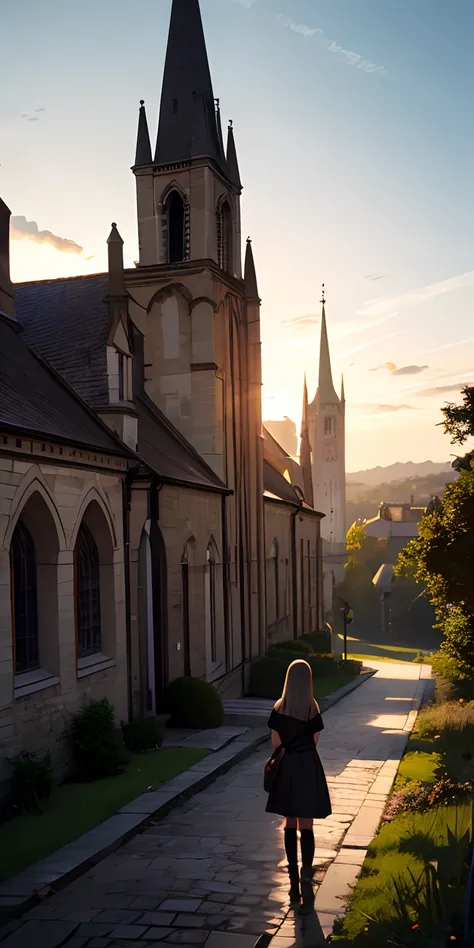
[(100, 749), (267, 674)]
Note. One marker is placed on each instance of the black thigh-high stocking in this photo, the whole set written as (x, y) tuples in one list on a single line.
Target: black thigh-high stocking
[(307, 848), (291, 848)]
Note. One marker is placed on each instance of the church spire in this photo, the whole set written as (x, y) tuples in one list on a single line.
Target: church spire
[(250, 277), (305, 450), (232, 163), (187, 125), (143, 152), (327, 393), (343, 394), (219, 129)]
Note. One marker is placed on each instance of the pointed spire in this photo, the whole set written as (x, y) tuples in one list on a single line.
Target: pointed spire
[(305, 450), (187, 125), (250, 277), (343, 396), (115, 254), (7, 304), (219, 129), (327, 393), (232, 163), (143, 152)]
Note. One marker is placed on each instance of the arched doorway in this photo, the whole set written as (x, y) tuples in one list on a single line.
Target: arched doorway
[(153, 609)]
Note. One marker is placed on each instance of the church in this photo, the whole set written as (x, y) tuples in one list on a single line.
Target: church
[(323, 453), (149, 526)]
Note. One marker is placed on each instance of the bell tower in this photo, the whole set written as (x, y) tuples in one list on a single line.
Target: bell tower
[(188, 190), (327, 436)]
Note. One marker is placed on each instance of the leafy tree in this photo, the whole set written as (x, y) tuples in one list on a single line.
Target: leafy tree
[(459, 419), (442, 558)]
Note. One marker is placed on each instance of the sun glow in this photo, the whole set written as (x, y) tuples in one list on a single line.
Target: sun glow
[(32, 261)]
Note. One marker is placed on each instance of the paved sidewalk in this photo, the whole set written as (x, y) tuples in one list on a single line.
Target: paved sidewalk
[(213, 871)]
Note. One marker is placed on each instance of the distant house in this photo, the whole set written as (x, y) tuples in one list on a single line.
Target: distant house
[(397, 524)]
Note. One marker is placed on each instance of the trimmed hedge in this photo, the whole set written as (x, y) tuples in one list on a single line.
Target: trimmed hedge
[(267, 677), (193, 703), (267, 674), (142, 734), (300, 647), (321, 642)]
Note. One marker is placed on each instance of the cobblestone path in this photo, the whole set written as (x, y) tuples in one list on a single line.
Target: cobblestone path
[(213, 872)]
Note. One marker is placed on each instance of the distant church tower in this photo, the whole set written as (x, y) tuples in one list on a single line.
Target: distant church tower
[(326, 429)]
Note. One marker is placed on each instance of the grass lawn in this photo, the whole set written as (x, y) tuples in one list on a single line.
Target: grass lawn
[(75, 808), (440, 743), (323, 687), (364, 651)]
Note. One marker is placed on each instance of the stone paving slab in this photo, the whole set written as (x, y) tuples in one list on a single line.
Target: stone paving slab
[(66, 863), (212, 871), (378, 741)]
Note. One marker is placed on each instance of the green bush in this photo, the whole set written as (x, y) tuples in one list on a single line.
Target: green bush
[(350, 667), (451, 669), (193, 703), (267, 677), (419, 658), (143, 734), (321, 642), (32, 781), (299, 648), (97, 746)]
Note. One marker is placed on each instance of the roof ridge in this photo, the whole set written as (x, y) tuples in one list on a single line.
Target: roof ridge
[(69, 279)]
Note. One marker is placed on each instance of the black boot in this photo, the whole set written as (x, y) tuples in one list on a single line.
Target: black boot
[(292, 856), (307, 855)]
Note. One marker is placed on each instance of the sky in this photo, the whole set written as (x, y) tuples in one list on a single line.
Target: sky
[(356, 151)]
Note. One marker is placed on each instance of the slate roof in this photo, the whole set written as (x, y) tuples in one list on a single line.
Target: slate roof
[(57, 317), (167, 452), (66, 322), (275, 483), (34, 399)]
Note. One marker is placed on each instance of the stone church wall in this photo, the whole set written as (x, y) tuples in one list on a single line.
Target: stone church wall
[(51, 501), (189, 520), (278, 571)]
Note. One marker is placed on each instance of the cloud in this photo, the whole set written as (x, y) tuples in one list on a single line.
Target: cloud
[(441, 389), (351, 58), (245, 3), (403, 370), (33, 116), (21, 229), (339, 331), (383, 409)]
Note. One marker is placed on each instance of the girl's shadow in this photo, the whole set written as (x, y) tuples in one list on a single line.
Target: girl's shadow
[(308, 931)]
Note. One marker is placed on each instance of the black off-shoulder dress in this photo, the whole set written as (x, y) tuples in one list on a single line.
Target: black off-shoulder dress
[(300, 788)]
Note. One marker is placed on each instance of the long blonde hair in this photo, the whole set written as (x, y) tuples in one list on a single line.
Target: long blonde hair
[(297, 700)]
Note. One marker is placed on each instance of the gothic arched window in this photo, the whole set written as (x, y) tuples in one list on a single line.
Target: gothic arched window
[(87, 593), (176, 219), (225, 237), (25, 600)]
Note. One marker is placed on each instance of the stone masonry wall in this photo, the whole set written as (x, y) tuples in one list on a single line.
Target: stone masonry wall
[(52, 501)]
